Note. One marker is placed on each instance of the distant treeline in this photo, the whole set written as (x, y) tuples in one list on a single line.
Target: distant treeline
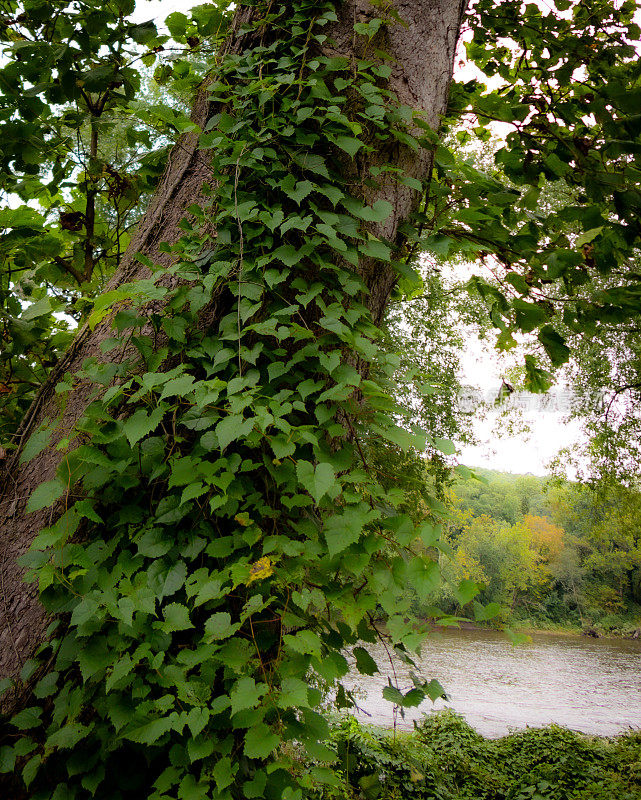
[(550, 553)]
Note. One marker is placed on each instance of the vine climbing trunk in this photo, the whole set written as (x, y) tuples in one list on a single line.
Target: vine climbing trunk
[(420, 49)]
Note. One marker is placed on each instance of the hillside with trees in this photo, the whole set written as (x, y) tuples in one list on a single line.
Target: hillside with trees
[(550, 553)]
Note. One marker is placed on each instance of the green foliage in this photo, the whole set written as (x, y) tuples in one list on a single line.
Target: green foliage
[(445, 759), (223, 542), (427, 329), (560, 269), (549, 552), (224, 539), (605, 373), (83, 146)]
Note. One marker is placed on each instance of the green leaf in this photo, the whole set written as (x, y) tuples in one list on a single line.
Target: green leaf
[(178, 387), (445, 446), (429, 533), (303, 188), (365, 664), (466, 591), (200, 747), (141, 424), (86, 610), (144, 32), (313, 162), (413, 698), (305, 642), (317, 480), (84, 508), (27, 718), (30, 769), (260, 741), (392, 694), (294, 693), (349, 144), (174, 579), (150, 732), (68, 736), (555, 345), (7, 759), (245, 694), (435, 691), (224, 772), (528, 315), (45, 495), (177, 23), (403, 438), (232, 428), (94, 658), (121, 669), (342, 530), (197, 718), (219, 626), (536, 379), (516, 637), (192, 491), (374, 248), (282, 446), (378, 212), (176, 618), (424, 576), (46, 686), (413, 183), (588, 236), (483, 613), (36, 443)]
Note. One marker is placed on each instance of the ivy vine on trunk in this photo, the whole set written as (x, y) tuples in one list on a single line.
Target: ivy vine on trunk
[(212, 539)]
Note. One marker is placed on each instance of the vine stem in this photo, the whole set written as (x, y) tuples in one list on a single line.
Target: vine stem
[(240, 251), (390, 659)]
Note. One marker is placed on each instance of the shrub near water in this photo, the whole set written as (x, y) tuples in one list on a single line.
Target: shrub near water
[(445, 759)]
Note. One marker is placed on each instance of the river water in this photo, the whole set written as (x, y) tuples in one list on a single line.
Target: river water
[(588, 685)]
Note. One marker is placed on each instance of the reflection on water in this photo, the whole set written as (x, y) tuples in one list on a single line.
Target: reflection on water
[(589, 685)]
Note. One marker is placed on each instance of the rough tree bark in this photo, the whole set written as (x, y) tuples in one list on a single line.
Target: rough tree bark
[(424, 55)]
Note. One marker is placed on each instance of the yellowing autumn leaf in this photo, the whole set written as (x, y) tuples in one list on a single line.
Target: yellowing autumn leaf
[(260, 569)]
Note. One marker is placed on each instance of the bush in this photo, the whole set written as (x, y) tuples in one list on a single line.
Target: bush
[(374, 764), (446, 759)]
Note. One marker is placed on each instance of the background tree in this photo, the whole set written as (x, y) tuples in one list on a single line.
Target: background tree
[(85, 139)]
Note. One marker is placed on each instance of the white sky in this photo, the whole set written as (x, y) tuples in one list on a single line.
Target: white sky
[(497, 449), (543, 431), (159, 9)]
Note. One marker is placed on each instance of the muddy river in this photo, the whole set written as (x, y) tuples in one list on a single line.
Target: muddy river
[(589, 685)]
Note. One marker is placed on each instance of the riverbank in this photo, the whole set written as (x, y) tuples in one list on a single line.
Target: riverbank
[(446, 759), (626, 626), (622, 627), (527, 627)]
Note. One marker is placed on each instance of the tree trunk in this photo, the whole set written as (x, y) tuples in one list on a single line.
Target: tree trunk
[(424, 54)]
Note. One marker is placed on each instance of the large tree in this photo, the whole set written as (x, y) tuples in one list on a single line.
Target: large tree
[(212, 536), (267, 264), (422, 52)]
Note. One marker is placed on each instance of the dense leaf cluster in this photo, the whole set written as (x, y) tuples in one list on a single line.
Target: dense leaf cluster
[(565, 100), (446, 759), (224, 539)]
